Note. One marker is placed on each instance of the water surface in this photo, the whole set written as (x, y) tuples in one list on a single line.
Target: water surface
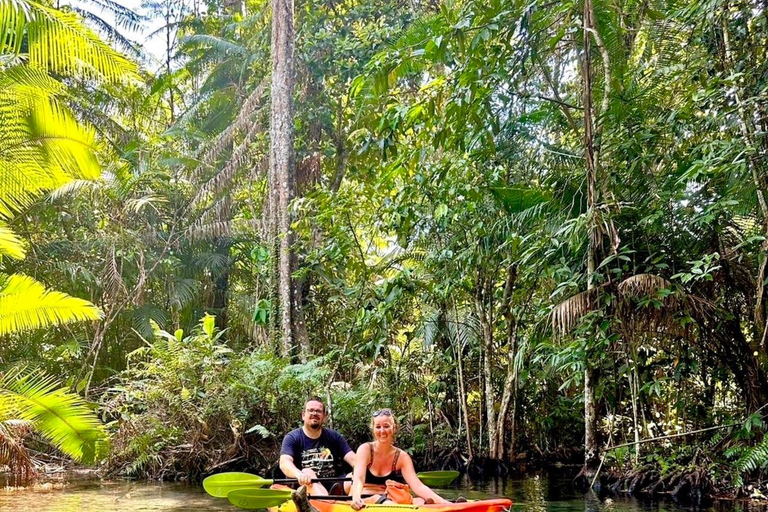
[(532, 493)]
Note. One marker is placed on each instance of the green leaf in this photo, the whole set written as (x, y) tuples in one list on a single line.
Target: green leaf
[(209, 324)]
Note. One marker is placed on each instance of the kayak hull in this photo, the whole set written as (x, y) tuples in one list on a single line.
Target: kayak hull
[(494, 505)]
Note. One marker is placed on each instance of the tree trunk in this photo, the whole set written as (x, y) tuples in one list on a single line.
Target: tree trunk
[(740, 358), (282, 158), (590, 375), (591, 451), (484, 307), (221, 285), (510, 381), (748, 129), (462, 388), (300, 292)]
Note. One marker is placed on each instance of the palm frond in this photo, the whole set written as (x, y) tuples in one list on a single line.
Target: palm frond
[(643, 285), (183, 292), (566, 315), (224, 178), (42, 147), (73, 188), (124, 17), (210, 230), (26, 304), (26, 84), (10, 244), (221, 47), (14, 15), (113, 286), (143, 317), (61, 417), (519, 199), (110, 32), (60, 43), (243, 122)]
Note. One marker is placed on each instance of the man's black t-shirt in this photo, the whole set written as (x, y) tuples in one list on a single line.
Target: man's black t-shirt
[(323, 455)]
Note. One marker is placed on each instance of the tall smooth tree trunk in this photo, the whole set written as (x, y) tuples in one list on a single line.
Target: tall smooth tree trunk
[(591, 459), (281, 161)]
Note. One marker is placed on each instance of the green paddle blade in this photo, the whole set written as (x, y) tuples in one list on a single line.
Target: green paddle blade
[(438, 478), (253, 499), (220, 485)]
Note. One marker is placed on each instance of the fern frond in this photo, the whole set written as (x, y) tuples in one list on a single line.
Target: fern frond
[(754, 458), (26, 304)]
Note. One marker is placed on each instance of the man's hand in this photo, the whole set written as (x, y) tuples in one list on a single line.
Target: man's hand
[(306, 476)]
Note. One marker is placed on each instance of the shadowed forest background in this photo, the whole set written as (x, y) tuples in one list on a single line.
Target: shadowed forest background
[(535, 229)]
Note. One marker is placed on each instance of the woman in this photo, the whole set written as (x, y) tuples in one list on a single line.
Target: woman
[(380, 461)]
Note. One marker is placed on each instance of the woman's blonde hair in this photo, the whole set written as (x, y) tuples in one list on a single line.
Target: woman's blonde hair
[(384, 412)]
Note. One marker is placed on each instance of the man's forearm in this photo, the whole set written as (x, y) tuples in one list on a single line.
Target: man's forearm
[(289, 469)]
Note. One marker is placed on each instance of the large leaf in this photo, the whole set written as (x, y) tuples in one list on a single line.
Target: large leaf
[(61, 417), (26, 304), (518, 199)]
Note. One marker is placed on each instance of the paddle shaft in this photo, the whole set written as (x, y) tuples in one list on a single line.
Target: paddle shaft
[(314, 480)]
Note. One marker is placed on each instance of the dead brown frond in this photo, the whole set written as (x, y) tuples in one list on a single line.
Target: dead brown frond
[(566, 315), (112, 278), (641, 306), (243, 123), (224, 178), (643, 285), (13, 454), (207, 231)]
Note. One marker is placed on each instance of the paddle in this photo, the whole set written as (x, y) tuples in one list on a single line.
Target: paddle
[(221, 484), (265, 498)]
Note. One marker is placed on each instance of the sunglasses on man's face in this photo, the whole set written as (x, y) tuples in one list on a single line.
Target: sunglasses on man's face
[(382, 412)]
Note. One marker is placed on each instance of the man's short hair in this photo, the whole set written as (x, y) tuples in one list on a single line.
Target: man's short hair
[(315, 399)]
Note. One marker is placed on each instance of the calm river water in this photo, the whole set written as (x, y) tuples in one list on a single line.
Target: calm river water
[(542, 493)]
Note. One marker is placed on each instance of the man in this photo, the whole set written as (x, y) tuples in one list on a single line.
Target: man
[(313, 451)]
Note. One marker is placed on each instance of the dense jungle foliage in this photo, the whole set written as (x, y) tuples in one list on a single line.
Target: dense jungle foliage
[(537, 230)]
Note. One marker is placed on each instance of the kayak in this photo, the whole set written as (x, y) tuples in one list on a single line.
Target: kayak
[(493, 505)]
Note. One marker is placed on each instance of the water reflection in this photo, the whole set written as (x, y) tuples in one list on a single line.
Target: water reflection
[(113, 497), (531, 493)]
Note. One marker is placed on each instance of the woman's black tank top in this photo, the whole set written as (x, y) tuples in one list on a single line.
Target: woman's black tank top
[(394, 474)]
